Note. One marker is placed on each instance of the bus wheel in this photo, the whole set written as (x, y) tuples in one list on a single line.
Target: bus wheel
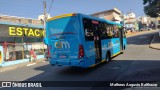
[(121, 52), (108, 57)]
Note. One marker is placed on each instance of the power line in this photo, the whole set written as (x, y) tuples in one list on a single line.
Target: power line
[(59, 9), (50, 6)]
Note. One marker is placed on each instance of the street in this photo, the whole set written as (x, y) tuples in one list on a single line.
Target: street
[(137, 63), (81, 45)]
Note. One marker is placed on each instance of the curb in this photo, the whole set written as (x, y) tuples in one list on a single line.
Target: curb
[(139, 33), (13, 67), (150, 45)]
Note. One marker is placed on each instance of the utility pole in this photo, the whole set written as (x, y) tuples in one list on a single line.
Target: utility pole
[(45, 17), (122, 19), (44, 24)]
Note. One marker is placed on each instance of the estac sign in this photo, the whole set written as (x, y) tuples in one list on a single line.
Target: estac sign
[(20, 31)]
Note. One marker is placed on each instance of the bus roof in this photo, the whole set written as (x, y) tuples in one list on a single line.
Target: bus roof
[(61, 16), (100, 19), (83, 15)]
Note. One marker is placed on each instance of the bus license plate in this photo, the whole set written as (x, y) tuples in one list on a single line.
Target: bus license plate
[(63, 56)]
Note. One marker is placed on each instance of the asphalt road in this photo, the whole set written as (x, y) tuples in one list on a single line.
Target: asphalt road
[(137, 63)]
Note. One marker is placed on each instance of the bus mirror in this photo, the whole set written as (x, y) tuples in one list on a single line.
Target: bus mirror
[(45, 40)]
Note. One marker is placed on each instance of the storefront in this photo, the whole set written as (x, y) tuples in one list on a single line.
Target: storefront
[(17, 40)]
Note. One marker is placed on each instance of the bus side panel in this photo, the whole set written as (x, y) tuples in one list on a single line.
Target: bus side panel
[(89, 52), (105, 48), (116, 46), (124, 42), (112, 45)]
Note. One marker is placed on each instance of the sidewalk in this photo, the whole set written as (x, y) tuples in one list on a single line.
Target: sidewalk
[(138, 33), (155, 43), (7, 68)]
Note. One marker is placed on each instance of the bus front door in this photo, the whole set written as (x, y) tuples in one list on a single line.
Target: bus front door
[(97, 44)]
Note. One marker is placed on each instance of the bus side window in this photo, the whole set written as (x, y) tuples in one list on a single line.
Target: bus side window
[(103, 31), (109, 31), (88, 31), (116, 32), (124, 33)]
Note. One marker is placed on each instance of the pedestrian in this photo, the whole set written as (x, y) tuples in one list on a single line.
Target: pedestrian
[(35, 56), (31, 55)]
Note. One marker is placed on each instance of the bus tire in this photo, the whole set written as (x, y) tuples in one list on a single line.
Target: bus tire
[(108, 57), (121, 52)]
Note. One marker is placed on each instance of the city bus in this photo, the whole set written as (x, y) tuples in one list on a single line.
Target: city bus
[(82, 40)]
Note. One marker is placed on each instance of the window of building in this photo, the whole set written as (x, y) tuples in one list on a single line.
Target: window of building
[(30, 21), (101, 16)]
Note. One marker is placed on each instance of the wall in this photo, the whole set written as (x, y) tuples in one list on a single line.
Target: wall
[(10, 63), (1, 55), (108, 16), (111, 15)]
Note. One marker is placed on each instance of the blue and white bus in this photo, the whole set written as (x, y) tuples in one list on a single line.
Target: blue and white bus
[(82, 40)]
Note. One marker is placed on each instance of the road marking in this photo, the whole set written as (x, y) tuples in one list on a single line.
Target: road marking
[(31, 64)]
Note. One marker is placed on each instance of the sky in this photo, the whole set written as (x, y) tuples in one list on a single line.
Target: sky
[(33, 8)]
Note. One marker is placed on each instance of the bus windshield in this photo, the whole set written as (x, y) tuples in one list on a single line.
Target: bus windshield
[(65, 25)]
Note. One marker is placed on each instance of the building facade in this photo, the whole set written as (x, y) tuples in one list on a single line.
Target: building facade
[(148, 22), (131, 22), (18, 35), (113, 15), (158, 22)]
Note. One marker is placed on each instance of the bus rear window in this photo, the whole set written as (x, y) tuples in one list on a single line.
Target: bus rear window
[(65, 25)]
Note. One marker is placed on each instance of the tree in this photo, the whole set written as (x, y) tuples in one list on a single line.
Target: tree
[(152, 7)]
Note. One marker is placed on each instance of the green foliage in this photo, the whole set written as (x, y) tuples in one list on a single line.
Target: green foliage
[(147, 1), (152, 7)]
